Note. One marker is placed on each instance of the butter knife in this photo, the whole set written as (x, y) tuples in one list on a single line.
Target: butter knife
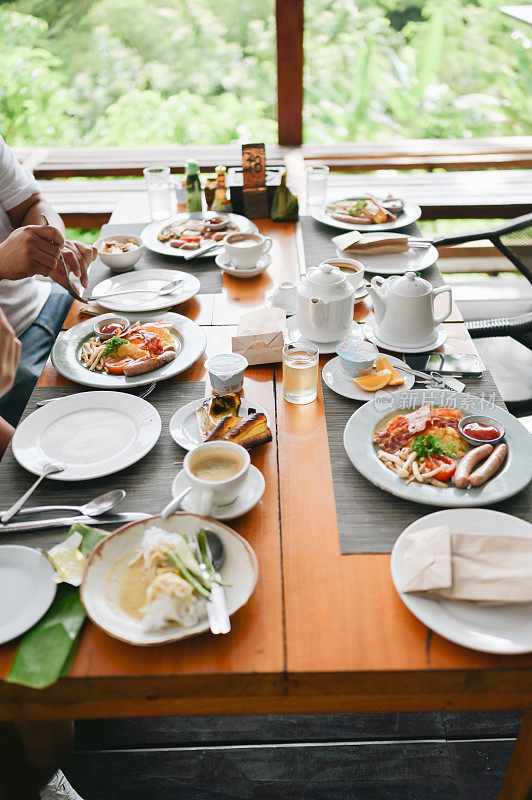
[(61, 522)]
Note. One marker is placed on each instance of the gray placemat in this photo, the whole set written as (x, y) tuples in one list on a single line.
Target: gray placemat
[(317, 245), (205, 270), (369, 519), (148, 483)]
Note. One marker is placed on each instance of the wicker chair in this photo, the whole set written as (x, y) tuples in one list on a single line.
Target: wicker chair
[(510, 363)]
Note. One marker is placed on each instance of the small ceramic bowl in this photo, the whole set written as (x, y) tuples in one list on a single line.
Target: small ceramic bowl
[(120, 262), (357, 357), (226, 372), (103, 321), (482, 420)]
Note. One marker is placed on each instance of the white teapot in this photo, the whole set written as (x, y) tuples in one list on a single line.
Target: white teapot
[(325, 304), (404, 310)]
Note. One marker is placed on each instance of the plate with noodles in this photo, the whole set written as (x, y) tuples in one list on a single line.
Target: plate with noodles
[(409, 444), (143, 584), (151, 349), (367, 213)]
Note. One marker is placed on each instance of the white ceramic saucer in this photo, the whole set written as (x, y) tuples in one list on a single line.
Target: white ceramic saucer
[(337, 379), (369, 333), (249, 496), (226, 265), (293, 335), (361, 293)]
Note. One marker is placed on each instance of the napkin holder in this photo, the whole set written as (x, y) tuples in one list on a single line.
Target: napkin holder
[(260, 336)]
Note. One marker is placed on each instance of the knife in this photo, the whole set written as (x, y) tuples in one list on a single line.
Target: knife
[(60, 522), (435, 378)]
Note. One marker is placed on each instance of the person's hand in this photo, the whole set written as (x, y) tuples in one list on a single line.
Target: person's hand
[(31, 250), (77, 256), (9, 354)]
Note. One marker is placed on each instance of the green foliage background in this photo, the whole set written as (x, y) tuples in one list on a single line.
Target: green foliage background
[(139, 72)]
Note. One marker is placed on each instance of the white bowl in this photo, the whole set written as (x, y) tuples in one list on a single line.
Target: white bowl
[(120, 262)]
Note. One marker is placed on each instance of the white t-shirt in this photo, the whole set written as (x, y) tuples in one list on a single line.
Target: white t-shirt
[(22, 300)]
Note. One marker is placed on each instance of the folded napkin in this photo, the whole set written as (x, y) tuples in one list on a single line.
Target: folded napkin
[(479, 567), (260, 335), (371, 243)]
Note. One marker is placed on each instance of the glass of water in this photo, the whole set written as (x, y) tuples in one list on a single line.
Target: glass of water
[(316, 185), (300, 372), (158, 183)]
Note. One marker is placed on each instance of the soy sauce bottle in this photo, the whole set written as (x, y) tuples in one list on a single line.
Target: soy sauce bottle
[(193, 185)]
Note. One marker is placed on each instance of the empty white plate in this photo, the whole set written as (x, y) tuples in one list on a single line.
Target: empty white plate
[(490, 629), (415, 259), (27, 589), (184, 426), (149, 281), (91, 434)]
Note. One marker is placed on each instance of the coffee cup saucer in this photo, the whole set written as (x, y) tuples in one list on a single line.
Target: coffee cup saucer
[(292, 335), (226, 264), (250, 494), (371, 336)]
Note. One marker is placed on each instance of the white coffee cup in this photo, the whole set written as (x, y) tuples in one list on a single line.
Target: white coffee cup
[(245, 249), (203, 472), (285, 296), (353, 270)]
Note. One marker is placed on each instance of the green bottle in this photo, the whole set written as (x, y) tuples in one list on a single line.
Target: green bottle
[(193, 185)]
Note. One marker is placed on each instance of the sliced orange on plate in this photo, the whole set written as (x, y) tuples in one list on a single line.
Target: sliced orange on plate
[(374, 381), (396, 379)]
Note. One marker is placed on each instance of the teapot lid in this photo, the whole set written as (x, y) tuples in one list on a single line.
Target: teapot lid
[(411, 285), (326, 275)]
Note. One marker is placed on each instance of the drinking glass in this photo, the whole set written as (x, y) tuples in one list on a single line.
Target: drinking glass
[(158, 183), (300, 372), (316, 185)]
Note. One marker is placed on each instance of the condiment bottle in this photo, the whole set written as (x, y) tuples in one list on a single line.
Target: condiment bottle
[(181, 195), (209, 192), (193, 186), (221, 202)]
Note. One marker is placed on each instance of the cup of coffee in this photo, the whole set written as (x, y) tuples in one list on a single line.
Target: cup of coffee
[(245, 249), (217, 470), (353, 270)]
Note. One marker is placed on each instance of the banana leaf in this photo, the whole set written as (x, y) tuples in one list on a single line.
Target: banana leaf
[(47, 650), (285, 207)]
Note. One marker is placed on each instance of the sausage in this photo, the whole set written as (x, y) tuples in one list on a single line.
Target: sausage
[(148, 364), (490, 466), (468, 462), (348, 218)]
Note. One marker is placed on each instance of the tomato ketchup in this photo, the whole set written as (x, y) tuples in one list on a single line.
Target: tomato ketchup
[(481, 432)]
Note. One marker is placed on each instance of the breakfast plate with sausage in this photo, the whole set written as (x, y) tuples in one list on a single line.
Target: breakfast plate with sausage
[(440, 448), (183, 233), (367, 212), (143, 349)]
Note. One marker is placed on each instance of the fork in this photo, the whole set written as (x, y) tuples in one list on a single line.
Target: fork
[(71, 289), (144, 393)]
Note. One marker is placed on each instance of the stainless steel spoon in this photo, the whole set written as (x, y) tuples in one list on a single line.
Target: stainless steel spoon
[(94, 508), (48, 469), (168, 288), (174, 504)]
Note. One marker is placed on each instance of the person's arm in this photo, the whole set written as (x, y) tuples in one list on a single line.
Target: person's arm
[(9, 358)]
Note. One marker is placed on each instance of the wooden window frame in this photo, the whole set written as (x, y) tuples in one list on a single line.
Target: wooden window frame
[(289, 26)]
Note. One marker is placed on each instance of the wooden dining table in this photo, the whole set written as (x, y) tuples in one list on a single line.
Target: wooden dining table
[(323, 632)]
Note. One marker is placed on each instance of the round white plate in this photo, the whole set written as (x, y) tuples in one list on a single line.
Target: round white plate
[(249, 496), (184, 427), (27, 589), (189, 337), (415, 259), (100, 597), (146, 279), (339, 381), (490, 629), (91, 434), (411, 213), (293, 334), (225, 265), (151, 231), (514, 475), (369, 333)]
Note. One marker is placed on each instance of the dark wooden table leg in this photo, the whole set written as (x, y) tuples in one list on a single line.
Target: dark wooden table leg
[(517, 784)]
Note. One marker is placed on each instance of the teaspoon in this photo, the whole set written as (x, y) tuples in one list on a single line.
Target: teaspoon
[(94, 508), (48, 469)]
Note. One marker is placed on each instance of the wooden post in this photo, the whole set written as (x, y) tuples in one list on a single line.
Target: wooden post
[(517, 784), (289, 21)]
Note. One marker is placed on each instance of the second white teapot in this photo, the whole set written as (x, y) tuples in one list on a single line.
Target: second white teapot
[(325, 304)]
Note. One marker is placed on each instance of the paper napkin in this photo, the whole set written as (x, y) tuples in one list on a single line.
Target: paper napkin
[(260, 336)]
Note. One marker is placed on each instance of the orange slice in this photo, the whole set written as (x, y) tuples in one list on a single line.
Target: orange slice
[(396, 379), (374, 381)]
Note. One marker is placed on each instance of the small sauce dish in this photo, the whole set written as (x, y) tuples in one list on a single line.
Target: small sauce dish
[(357, 357), (120, 261), (107, 327), (479, 429)]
